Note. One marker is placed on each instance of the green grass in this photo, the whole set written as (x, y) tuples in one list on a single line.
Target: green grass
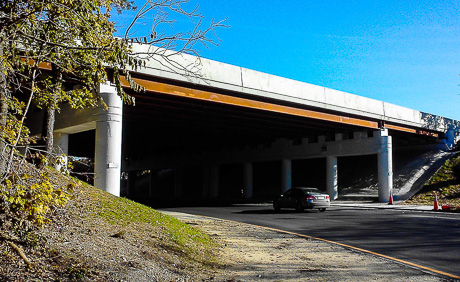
[(445, 183), (173, 234)]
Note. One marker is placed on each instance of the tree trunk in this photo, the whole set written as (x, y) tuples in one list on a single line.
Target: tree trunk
[(51, 116), (50, 128), (3, 109), (48, 132)]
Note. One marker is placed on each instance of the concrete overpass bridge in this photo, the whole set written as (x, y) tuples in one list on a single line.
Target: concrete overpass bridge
[(232, 131)]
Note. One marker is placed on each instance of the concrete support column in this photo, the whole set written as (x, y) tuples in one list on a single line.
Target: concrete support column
[(247, 180), (214, 181), (132, 175), (332, 177), (206, 182), (211, 181), (450, 138), (153, 182), (107, 163), (61, 144), (286, 175), (385, 165), (178, 182)]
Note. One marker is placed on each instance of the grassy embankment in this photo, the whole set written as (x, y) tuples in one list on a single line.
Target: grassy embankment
[(102, 237), (445, 183)]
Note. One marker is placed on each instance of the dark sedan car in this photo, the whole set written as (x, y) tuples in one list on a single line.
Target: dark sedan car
[(302, 198)]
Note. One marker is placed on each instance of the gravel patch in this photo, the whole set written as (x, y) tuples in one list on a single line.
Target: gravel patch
[(252, 253)]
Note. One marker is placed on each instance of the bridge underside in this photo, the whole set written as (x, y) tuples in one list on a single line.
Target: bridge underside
[(180, 142), (240, 133), (167, 123), (191, 140)]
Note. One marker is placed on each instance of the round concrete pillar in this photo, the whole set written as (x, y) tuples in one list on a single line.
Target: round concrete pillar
[(286, 175), (385, 169), (214, 181), (107, 163), (247, 181), (332, 177), (61, 144), (178, 182), (450, 138), (211, 181)]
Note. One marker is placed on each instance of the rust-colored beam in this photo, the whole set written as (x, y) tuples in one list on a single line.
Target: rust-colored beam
[(162, 88), (41, 65), (44, 65), (411, 130), (400, 128)]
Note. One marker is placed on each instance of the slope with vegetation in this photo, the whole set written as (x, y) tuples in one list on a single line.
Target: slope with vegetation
[(58, 51), (97, 236), (445, 184)]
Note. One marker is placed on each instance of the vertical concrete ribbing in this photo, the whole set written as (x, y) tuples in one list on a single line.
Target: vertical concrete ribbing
[(107, 164)]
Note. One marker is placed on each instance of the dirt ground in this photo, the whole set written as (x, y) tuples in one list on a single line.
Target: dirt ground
[(256, 254)]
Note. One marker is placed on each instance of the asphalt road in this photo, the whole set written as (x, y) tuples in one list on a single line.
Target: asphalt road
[(424, 238)]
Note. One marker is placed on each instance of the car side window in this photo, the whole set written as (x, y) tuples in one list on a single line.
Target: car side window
[(297, 193)]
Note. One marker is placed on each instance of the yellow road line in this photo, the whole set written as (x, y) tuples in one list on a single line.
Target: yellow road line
[(347, 246)]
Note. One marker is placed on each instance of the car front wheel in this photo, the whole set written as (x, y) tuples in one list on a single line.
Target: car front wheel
[(322, 210)]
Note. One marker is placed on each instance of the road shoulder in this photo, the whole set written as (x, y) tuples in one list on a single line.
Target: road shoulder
[(254, 253)]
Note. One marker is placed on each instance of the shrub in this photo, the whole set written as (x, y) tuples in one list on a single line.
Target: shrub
[(28, 198), (456, 169)]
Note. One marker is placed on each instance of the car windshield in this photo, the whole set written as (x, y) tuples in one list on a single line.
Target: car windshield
[(309, 190)]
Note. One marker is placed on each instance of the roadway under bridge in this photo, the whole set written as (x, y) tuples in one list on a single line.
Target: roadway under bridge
[(232, 133)]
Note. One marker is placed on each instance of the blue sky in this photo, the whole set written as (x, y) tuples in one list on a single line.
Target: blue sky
[(403, 52)]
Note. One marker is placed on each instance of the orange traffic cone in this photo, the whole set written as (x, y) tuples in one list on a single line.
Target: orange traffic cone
[(435, 204), (390, 202)]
